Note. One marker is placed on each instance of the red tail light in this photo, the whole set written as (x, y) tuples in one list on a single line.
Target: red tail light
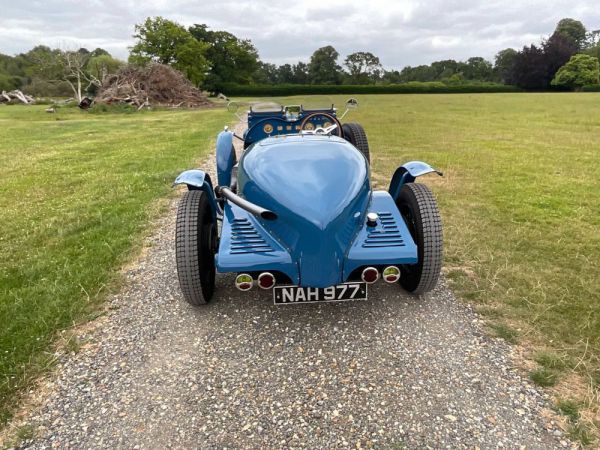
[(370, 275), (266, 280)]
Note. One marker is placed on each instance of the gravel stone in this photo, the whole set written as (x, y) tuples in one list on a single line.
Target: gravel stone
[(396, 371)]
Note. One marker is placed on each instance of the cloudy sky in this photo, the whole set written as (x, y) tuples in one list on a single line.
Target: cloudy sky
[(403, 32)]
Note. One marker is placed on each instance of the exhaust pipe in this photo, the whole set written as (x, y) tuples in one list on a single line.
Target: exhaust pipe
[(245, 204)]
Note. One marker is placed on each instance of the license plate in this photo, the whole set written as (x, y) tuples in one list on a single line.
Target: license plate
[(290, 295)]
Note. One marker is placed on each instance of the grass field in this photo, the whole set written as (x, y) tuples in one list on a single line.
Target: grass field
[(76, 191), (520, 201)]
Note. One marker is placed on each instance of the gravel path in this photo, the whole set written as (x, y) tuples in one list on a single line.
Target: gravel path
[(393, 372)]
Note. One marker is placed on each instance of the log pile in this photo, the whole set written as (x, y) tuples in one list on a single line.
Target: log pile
[(16, 96), (153, 85)]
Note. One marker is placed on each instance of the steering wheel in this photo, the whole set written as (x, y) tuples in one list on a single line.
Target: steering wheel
[(337, 131)]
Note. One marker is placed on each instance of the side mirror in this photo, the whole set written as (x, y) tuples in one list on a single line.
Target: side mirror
[(233, 108), (351, 103)]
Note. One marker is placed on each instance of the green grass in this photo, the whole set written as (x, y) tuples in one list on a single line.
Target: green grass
[(569, 409), (520, 202), (543, 377), (76, 193), (505, 332)]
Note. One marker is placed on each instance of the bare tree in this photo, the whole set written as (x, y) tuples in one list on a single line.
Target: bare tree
[(75, 73)]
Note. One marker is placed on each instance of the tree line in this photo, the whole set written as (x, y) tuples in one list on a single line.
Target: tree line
[(43, 71), (568, 58)]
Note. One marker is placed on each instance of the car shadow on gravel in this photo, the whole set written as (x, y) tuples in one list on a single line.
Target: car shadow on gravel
[(383, 300)]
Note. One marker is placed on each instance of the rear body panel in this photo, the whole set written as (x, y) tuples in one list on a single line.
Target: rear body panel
[(246, 246), (320, 190)]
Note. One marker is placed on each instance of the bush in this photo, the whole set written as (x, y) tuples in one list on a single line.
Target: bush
[(591, 88), (9, 82), (42, 88), (413, 87)]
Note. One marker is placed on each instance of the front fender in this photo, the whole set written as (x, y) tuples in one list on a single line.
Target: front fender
[(225, 157), (407, 173), (199, 180)]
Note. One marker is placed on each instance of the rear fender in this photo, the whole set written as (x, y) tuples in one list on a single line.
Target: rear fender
[(407, 173), (199, 180), (225, 157)]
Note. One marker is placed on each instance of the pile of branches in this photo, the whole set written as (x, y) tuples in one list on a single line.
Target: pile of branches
[(153, 85), (16, 96)]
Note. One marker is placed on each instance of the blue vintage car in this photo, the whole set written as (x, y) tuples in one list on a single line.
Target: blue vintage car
[(297, 214)]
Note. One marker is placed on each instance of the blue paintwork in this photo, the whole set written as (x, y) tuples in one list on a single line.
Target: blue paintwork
[(387, 243), (319, 187), (225, 157), (198, 179), (246, 246), (320, 198), (407, 173), (281, 122)]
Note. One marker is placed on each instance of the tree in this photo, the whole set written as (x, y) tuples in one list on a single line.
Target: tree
[(42, 62), (323, 67), (99, 67), (363, 67), (529, 68), (503, 64), (56, 66), (300, 72), (478, 68), (574, 30), (285, 74), (558, 49), (98, 52), (445, 69), (535, 67), (73, 66), (167, 42), (266, 73), (391, 76), (419, 73), (593, 51), (231, 59), (580, 70), (12, 72)]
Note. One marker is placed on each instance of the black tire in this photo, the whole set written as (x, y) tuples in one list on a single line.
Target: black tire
[(419, 209), (355, 134), (195, 246)]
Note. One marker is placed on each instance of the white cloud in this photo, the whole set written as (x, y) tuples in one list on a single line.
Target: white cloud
[(404, 32)]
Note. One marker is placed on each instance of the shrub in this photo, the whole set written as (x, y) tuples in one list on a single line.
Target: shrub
[(413, 87), (39, 87), (591, 88), (10, 82), (581, 70)]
